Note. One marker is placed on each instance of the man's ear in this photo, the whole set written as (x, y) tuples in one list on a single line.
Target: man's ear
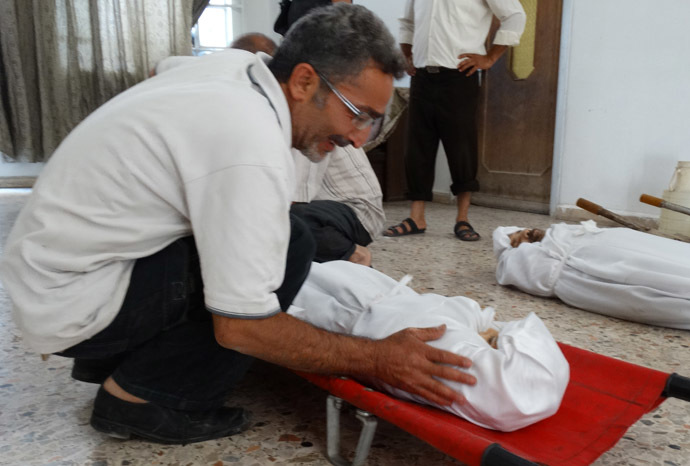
[(303, 82)]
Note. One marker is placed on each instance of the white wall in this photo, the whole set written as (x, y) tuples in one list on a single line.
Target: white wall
[(623, 118), (259, 16), (626, 116)]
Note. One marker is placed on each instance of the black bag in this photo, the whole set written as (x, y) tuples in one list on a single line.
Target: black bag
[(281, 24)]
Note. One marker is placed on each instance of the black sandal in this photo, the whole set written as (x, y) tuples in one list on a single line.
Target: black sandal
[(465, 234), (404, 229)]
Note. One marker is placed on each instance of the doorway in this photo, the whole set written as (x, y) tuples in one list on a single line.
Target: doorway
[(517, 116)]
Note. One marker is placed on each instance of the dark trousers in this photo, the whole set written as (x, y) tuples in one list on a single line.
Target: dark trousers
[(335, 227), (162, 339), (443, 106)]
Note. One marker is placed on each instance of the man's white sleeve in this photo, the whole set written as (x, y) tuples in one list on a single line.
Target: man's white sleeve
[(512, 17), (241, 225), (406, 32)]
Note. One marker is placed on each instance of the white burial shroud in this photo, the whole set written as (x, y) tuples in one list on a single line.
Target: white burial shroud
[(518, 384), (617, 272)]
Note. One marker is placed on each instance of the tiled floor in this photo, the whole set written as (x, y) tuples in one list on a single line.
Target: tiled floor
[(44, 414)]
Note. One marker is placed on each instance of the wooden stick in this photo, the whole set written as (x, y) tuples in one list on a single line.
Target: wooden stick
[(657, 202), (596, 209)]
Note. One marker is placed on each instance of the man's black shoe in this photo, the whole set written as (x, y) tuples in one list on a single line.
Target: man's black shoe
[(122, 419)]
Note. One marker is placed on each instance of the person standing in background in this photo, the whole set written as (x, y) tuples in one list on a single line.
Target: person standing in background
[(443, 42)]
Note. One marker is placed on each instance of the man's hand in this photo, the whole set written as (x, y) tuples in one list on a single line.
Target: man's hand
[(405, 361), (411, 70), (471, 62)]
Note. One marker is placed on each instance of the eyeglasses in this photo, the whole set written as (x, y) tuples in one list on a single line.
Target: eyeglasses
[(362, 120)]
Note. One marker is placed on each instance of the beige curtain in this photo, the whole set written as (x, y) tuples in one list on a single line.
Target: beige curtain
[(198, 7), (61, 59)]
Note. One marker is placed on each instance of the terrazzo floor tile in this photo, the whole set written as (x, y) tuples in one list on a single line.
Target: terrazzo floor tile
[(44, 414)]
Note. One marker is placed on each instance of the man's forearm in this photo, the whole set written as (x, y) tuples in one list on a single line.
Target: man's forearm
[(403, 360), (289, 342), (406, 49), (495, 52), (471, 62)]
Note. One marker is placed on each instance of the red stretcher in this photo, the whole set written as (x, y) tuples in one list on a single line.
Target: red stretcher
[(603, 399)]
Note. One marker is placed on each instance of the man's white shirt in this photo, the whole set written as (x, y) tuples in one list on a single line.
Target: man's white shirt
[(200, 150), (440, 30)]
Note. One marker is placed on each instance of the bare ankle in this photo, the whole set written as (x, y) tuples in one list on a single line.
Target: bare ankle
[(417, 210), (114, 389), (362, 256)]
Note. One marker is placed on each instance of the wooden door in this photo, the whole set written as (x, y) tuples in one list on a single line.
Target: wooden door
[(517, 116)]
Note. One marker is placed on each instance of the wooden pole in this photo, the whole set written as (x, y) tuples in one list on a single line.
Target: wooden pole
[(596, 209), (662, 204)]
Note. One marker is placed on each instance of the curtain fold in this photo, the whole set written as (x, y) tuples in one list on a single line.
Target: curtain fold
[(197, 8), (62, 59)]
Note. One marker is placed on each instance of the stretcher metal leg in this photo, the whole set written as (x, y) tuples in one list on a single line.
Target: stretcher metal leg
[(369, 423)]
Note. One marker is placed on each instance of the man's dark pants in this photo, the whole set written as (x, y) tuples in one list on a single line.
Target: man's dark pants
[(443, 106), (335, 227), (162, 344)]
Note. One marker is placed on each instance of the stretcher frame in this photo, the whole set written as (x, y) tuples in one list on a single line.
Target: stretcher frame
[(476, 446)]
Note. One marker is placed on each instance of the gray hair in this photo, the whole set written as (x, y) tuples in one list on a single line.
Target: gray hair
[(338, 41)]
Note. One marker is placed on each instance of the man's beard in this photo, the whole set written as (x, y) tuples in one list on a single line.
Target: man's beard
[(313, 154)]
